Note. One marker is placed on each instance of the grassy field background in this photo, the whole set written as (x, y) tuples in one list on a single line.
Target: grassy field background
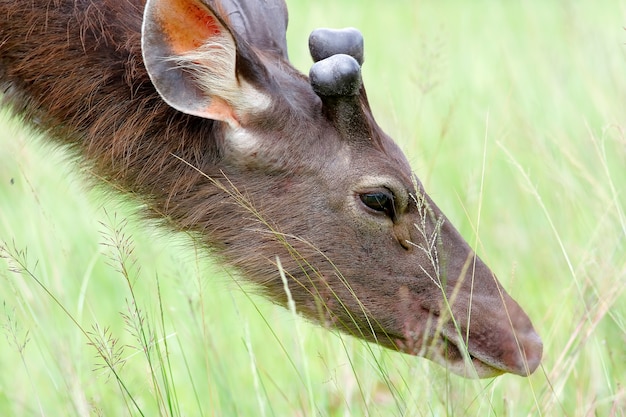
[(513, 114)]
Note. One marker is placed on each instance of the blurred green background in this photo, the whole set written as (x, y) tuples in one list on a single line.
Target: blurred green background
[(512, 114)]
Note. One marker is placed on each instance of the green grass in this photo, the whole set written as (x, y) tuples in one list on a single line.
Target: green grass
[(512, 114)]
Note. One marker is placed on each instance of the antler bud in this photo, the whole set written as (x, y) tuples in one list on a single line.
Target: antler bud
[(324, 43), (338, 75), (336, 78)]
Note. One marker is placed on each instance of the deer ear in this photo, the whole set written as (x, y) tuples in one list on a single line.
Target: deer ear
[(190, 55)]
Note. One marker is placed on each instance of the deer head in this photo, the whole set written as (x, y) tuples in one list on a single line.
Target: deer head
[(363, 247), (279, 174)]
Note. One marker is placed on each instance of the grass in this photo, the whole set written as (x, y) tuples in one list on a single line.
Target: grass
[(512, 114)]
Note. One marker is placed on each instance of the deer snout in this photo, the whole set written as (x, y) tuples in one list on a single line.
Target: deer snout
[(507, 341), (532, 352), (524, 351)]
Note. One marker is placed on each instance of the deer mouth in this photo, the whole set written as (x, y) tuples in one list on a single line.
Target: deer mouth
[(449, 352), (454, 355)]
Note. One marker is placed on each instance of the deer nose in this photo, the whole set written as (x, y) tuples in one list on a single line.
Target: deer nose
[(522, 356), (527, 353), (523, 349), (501, 336)]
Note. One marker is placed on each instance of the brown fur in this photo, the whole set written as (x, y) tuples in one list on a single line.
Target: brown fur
[(74, 69)]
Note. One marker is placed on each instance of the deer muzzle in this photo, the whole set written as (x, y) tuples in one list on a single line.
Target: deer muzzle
[(478, 337)]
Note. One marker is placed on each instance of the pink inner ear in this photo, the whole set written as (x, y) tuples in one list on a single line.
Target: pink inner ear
[(218, 109), (187, 24)]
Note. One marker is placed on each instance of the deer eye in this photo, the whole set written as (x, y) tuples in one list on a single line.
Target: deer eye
[(381, 201)]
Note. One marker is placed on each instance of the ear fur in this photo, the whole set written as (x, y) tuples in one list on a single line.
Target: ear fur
[(190, 54)]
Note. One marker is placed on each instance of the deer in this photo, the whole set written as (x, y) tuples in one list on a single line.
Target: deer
[(193, 108)]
